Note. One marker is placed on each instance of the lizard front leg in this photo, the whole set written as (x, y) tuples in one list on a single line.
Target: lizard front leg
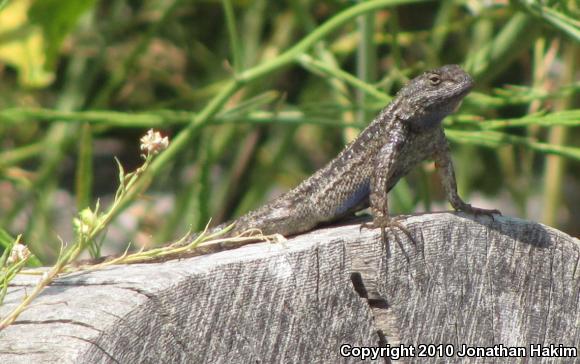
[(381, 178), (382, 168), (446, 173)]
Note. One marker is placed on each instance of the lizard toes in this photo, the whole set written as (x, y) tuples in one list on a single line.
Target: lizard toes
[(385, 222)]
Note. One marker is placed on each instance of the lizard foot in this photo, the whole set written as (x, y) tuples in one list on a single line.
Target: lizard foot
[(386, 222), (477, 211)]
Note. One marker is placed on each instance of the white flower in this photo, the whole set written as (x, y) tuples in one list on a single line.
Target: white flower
[(19, 252), (153, 143)]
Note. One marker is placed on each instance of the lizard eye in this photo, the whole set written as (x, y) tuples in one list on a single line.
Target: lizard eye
[(435, 80)]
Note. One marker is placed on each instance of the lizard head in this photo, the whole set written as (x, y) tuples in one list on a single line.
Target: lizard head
[(433, 95)]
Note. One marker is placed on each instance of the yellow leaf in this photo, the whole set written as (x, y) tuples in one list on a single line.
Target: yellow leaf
[(22, 45)]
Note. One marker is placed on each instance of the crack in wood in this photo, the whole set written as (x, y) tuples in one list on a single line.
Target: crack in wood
[(98, 347), (56, 321), (379, 308)]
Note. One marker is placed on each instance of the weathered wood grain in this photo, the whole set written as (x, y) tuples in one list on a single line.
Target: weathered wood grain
[(467, 281)]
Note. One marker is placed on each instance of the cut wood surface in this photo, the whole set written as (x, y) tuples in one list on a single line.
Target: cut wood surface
[(465, 280)]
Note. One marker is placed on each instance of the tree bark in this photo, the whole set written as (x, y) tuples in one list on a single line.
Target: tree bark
[(464, 280)]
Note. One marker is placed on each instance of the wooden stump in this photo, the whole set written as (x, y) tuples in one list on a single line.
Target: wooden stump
[(467, 281)]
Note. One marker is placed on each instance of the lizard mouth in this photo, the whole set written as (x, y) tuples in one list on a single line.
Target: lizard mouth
[(463, 92), (469, 83)]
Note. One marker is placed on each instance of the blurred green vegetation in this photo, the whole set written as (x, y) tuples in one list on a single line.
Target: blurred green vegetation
[(256, 95)]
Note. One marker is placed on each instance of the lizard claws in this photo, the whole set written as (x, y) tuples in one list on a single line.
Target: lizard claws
[(386, 222)]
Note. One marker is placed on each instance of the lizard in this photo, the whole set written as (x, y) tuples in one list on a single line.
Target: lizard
[(406, 132)]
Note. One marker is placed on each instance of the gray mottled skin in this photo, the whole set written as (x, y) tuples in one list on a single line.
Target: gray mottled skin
[(405, 133)]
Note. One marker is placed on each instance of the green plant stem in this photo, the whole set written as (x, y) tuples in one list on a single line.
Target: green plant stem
[(159, 119), (560, 21), (18, 155), (560, 118), (236, 45), (443, 24), (494, 139), (310, 63), (366, 59), (84, 172), (556, 167), (491, 58)]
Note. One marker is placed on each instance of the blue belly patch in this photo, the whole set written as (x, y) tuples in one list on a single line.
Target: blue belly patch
[(358, 196)]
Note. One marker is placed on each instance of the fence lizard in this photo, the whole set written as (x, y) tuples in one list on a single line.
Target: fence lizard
[(404, 133)]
